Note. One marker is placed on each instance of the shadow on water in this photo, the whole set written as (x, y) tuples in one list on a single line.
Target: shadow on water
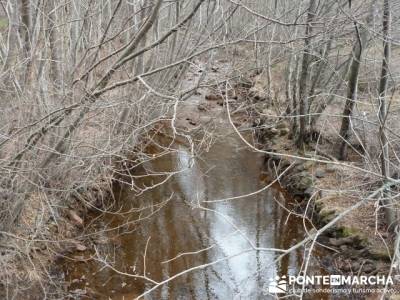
[(174, 234)]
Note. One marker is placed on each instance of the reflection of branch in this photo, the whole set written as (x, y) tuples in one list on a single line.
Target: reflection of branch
[(252, 193), (187, 253), (144, 256), (200, 267), (106, 264), (311, 237)]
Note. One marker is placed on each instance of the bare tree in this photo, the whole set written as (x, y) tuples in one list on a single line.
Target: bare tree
[(304, 76), (361, 36), (390, 215)]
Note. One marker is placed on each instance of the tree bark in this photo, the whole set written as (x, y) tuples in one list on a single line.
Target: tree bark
[(12, 14), (351, 91), (25, 34), (303, 95), (55, 75), (390, 214)]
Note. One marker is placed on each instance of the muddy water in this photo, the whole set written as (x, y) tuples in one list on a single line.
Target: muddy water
[(180, 230)]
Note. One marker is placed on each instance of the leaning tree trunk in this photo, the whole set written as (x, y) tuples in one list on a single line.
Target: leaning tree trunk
[(303, 94), (351, 92)]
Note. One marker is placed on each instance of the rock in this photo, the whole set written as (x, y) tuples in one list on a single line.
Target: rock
[(237, 123), (299, 183), (355, 266), (299, 166), (331, 168), (245, 83), (379, 254), (191, 121), (284, 131), (212, 97), (283, 163), (319, 173), (269, 112), (346, 268), (260, 107), (368, 268), (257, 94), (281, 125), (342, 241), (309, 164), (77, 220), (305, 181), (80, 247), (202, 107), (385, 235), (268, 133), (326, 215), (309, 191), (274, 131)]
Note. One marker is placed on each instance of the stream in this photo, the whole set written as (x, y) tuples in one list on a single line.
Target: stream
[(180, 230)]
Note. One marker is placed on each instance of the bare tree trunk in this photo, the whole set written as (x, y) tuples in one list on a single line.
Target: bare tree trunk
[(322, 106), (12, 14), (317, 76), (270, 49), (382, 90), (351, 91), (25, 33), (52, 33), (140, 60), (390, 215), (295, 95), (303, 95)]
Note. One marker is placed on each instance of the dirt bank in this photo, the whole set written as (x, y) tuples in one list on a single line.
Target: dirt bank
[(325, 187)]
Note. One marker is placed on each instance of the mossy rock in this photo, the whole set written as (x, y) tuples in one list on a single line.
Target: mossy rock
[(304, 181), (3, 23), (326, 215), (347, 231), (380, 253), (309, 164)]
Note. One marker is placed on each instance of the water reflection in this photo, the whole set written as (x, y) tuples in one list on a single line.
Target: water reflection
[(188, 224)]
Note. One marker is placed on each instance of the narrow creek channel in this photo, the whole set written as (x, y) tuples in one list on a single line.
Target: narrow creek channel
[(175, 234)]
